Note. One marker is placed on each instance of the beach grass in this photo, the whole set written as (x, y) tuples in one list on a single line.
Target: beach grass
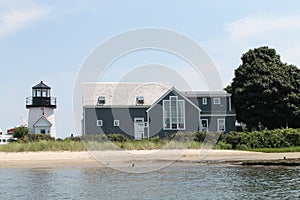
[(277, 150), (43, 145), (69, 145)]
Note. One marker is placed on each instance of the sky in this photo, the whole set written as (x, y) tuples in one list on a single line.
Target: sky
[(50, 40)]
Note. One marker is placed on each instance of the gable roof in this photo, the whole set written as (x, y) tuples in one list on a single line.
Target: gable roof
[(179, 93), (43, 121), (122, 93)]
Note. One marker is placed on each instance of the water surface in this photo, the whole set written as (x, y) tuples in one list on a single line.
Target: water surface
[(178, 181)]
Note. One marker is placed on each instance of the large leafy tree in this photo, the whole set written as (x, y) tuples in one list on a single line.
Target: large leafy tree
[(266, 91)]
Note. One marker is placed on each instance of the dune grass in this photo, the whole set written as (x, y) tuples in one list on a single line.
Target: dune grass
[(277, 150), (43, 145), (68, 145)]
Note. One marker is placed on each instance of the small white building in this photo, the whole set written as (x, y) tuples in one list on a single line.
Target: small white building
[(41, 105), (4, 139)]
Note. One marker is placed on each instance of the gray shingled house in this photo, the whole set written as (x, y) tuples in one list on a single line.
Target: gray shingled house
[(142, 110)]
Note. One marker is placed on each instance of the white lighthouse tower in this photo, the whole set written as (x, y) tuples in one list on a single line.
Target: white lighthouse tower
[(41, 110)]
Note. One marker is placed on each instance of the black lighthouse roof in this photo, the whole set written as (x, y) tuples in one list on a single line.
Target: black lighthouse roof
[(41, 85), (41, 97)]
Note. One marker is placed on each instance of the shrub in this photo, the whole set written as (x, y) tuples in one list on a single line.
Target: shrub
[(183, 136), (77, 138), (39, 137), (223, 145), (116, 137), (262, 139), (20, 132), (155, 139), (200, 136)]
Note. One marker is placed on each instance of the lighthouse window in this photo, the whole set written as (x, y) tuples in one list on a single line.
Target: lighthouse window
[(44, 93), (38, 92)]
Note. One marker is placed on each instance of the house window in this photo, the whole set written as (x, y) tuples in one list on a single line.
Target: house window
[(116, 122), (146, 124), (43, 131), (204, 101), (99, 122), (204, 125), (101, 100), (139, 100), (173, 114), (221, 125), (217, 101)]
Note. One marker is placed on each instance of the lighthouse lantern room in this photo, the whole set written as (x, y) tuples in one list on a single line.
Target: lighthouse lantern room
[(41, 110)]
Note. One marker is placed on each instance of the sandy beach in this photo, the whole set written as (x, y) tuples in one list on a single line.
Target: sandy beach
[(126, 158)]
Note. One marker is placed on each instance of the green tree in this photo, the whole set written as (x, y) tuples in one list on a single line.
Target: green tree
[(20, 132), (266, 91)]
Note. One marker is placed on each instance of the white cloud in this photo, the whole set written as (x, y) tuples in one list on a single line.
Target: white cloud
[(15, 18), (257, 26), (278, 32)]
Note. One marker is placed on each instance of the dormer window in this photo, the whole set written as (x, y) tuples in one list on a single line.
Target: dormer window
[(140, 100), (101, 100)]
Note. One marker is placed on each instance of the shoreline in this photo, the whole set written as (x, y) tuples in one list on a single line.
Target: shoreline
[(127, 158)]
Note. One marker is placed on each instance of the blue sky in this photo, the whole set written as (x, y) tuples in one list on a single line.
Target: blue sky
[(49, 41)]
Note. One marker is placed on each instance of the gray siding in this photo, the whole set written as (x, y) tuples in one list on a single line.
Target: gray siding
[(211, 112), (210, 106), (156, 118), (108, 115), (213, 123)]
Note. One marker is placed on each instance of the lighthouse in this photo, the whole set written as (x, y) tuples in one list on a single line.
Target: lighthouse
[(41, 105)]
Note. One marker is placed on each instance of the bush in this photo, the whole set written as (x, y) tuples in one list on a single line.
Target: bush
[(77, 138), (20, 132), (39, 137), (94, 138), (155, 139), (262, 139), (223, 145), (116, 137), (200, 136), (183, 136)]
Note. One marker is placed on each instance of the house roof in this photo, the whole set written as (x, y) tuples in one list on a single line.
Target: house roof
[(123, 93), (43, 121), (41, 85), (179, 93)]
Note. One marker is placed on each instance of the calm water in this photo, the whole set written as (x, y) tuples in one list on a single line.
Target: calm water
[(174, 182)]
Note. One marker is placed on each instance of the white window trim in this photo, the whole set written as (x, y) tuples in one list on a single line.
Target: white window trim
[(204, 101), (183, 115), (101, 98), (116, 122), (229, 103), (218, 124), (177, 107), (206, 123), (146, 124), (217, 100), (100, 122)]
